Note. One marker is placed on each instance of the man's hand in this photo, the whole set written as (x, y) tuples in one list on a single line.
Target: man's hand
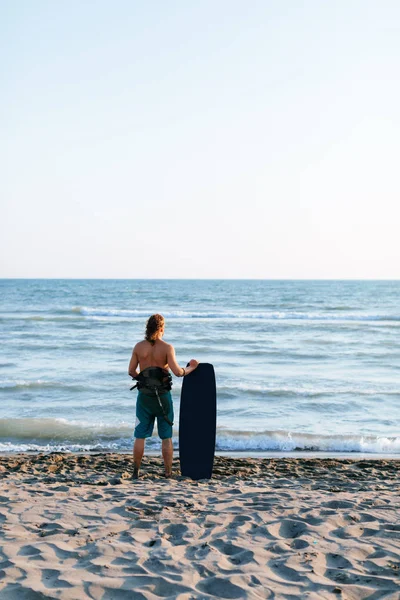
[(193, 363)]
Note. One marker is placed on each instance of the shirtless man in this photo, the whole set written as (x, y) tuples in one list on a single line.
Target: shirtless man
[(154, 352)]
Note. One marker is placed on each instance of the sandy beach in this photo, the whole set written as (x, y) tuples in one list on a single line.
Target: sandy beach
[(78, 526)]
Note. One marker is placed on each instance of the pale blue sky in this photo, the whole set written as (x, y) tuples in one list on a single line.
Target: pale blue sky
[(217, 138)]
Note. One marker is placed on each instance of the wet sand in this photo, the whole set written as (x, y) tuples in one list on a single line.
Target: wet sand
[(79, 527)]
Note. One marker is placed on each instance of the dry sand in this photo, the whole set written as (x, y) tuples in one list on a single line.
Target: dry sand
[(78, 526)]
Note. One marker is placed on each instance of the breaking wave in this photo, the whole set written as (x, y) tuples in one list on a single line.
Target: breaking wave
[(48, 434), (268, 315), (40, 384)]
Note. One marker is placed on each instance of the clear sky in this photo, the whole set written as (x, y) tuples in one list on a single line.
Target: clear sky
[(219, 138)]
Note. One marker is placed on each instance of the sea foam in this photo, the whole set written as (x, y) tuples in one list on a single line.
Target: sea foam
[(243, 314), (48, 434)]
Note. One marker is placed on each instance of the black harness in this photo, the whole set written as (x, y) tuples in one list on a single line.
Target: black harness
[(152, 382)]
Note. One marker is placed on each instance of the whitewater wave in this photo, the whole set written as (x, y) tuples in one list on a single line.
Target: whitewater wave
[(78, 312), (306, 391), (30, 434), (50, 430), (13, 447), (283, 441), (227, 389), (40, 384), (268, 315)]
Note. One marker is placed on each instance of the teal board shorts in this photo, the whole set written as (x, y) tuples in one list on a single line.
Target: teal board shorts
[(145, 416)]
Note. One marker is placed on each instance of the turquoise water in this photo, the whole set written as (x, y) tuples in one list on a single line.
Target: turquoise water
[(300, 365)]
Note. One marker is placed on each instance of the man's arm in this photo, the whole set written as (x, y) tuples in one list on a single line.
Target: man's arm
[(173, 365), (133, 364)]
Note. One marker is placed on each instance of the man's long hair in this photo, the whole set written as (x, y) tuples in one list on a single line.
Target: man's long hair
[(153, 326)]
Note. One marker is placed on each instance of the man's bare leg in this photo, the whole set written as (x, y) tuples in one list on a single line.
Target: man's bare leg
[(167, 453), (138, 450)]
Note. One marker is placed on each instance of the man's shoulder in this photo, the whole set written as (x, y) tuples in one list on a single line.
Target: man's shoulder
[(166, 346), (140, 344)]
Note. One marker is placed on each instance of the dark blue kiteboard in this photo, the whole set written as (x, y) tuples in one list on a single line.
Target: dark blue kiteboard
[(198, 422)]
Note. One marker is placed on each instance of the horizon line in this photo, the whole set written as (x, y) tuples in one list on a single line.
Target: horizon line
[(198, 279)]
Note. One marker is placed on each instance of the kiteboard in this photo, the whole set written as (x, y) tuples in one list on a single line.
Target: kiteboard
[(198, 422)]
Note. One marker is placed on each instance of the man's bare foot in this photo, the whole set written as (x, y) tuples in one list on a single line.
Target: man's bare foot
[(168, 475)]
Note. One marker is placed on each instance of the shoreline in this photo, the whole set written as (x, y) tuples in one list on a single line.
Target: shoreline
[(306, 454), (78, 526)]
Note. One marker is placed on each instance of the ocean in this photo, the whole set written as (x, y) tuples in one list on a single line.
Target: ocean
[(301, 366)]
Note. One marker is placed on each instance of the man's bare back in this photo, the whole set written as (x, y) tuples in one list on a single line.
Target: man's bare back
[(151, 355), (158, 354)]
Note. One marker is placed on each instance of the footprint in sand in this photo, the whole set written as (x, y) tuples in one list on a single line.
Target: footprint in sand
[(312, 520), (15, 591), (64, 554), (221, 588), (28, 550), (392, 527), (354, 531), (369, 532), (236, 554), (50, 578), (367, 518), (163, 564), (239, 521), (350, 578), (284, 572), (116, 594), (336, 561), (279, 548), (299, 544), (197, 552), (48, 529), (327, 512), (175, 533), (338, 504), (288, 528), (378, 554), (5, 563)]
